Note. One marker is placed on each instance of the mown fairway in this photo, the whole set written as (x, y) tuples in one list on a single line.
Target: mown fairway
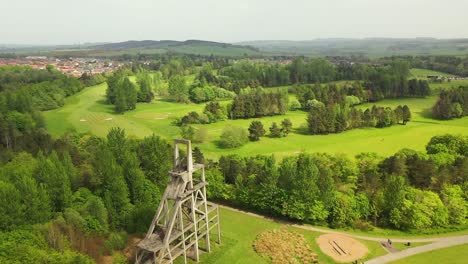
[(452, 255), (97, 117)]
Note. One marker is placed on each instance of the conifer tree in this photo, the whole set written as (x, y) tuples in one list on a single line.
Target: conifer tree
[(286, 126), (52, 174), (406, 114), (256, 130), (275, 130)]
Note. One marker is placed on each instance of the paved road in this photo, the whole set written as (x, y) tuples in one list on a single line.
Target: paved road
[(435, 242), (441, 243)]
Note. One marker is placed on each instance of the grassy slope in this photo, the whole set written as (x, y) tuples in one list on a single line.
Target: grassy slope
[(215, 50), (452, 255), (198, 49), (240, 230), (157, 117)]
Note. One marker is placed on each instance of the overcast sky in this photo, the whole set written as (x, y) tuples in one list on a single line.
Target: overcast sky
[(80, 21)]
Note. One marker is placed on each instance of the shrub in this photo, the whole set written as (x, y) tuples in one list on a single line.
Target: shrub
[(187, 132), (275, 130), (118, 258), (283, 246), (200, 135), (193, 118), (233, 137), (116, 241), (294, 105)]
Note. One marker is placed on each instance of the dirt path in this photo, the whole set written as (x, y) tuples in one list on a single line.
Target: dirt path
[(437, 242)]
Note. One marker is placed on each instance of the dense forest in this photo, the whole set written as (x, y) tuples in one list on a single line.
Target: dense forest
[(82, 189), (24, 92), (336, 119), (46, 88)]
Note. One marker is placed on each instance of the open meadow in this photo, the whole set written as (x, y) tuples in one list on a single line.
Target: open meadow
[(88, 112)]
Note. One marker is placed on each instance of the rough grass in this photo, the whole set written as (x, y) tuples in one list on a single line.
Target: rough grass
[(452, 255), (157, 117), (239, 231), (283, 246)]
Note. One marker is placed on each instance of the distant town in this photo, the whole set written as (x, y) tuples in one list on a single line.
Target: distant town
[(71, 66)]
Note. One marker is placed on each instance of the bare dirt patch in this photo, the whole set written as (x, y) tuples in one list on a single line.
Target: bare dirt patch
[(342, 248), (130, 251), (284, 247)]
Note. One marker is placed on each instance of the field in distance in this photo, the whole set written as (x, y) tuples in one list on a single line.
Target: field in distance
[(88, 112)]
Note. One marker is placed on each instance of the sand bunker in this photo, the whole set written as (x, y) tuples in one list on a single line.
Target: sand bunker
[(108, 119), (284, 247), (342, 248), (82, 120)]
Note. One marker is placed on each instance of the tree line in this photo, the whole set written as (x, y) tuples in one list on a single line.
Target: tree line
[(452, 103), (410, 190), (380, 81), (250, 103), (323, 119), (257, 103), (456, 65)]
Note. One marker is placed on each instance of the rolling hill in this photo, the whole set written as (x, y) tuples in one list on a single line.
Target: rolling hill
[(373, 47), (197, 47)]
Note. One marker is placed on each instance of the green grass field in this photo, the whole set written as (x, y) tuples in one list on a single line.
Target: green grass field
[(240, 230), (402, 246), (452, 255), (98, 117), (423, 73)]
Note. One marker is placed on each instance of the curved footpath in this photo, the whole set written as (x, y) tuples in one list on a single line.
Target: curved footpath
[(437, 242), (441, 243)]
